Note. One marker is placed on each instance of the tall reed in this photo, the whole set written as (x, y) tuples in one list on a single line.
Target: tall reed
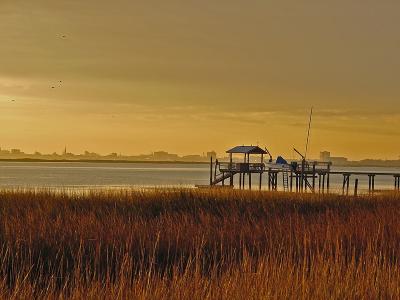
[(198, 244)]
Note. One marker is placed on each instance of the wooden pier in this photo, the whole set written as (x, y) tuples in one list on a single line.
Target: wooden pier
[(371, 179), (223, 171), (303, 176)]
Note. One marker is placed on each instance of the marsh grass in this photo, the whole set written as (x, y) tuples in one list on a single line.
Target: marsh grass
[(198, 244)]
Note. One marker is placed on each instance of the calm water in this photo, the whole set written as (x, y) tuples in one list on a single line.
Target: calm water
[(109, 175)]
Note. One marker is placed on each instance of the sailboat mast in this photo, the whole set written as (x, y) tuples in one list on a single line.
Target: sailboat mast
[(308, 133)]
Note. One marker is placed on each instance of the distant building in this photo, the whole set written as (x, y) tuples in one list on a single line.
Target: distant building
[(338, 160), (193, 158), (211, 154), (165, 156), (91, 154), (325, 156), (4, 152), (16, 151)]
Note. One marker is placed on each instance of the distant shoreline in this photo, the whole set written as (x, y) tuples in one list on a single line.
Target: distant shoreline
[(33, 160), (97, 161)]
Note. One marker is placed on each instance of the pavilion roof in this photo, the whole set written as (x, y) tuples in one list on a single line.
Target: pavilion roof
[(247, 150)]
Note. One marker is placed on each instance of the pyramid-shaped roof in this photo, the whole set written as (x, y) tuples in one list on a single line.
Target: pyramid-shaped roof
[(247, 150)]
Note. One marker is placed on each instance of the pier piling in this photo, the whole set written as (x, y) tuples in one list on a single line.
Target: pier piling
[(346, 183), (291, 181), (249, 181), (397, 182), (211, 170), (356, 188), (371, 183)]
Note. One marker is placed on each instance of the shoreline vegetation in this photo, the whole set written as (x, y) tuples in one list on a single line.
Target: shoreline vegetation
[(355, 164), (198, 244), (100, 161)]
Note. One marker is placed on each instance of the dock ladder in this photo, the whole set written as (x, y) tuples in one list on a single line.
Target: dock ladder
[(285, 174)]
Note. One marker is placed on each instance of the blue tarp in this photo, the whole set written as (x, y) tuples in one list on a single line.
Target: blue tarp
[(281, 160)]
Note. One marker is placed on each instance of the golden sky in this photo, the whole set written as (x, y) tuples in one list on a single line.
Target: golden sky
[(192, 76)]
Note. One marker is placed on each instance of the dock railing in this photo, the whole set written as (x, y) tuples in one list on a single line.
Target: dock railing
[(314, 167), (241, 167)]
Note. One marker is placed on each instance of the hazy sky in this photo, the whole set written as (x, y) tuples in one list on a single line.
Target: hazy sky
[(191, 76)]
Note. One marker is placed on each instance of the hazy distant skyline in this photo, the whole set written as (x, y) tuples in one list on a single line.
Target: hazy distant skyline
[(189, 77)]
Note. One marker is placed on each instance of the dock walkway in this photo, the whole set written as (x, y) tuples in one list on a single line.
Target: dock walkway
[(297, 177)]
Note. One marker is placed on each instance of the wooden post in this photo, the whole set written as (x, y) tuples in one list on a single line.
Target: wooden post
[(319, 182), (328, 178), (313, 177), (211, 170), (249, 180), (215, 169), (369, 183), (262, 170), (356, 188), (302, 175), (248, 166), (305, 178), (323, 184), (231, 169), (223, 178), (348, 184), (269, 179), (272, 181), (240, 180), (291, 180), (373, 183)]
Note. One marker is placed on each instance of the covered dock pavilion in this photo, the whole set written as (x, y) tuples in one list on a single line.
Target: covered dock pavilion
[(247, 167)]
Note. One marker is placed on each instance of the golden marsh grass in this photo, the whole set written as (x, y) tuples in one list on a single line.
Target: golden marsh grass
[(198, 244)]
